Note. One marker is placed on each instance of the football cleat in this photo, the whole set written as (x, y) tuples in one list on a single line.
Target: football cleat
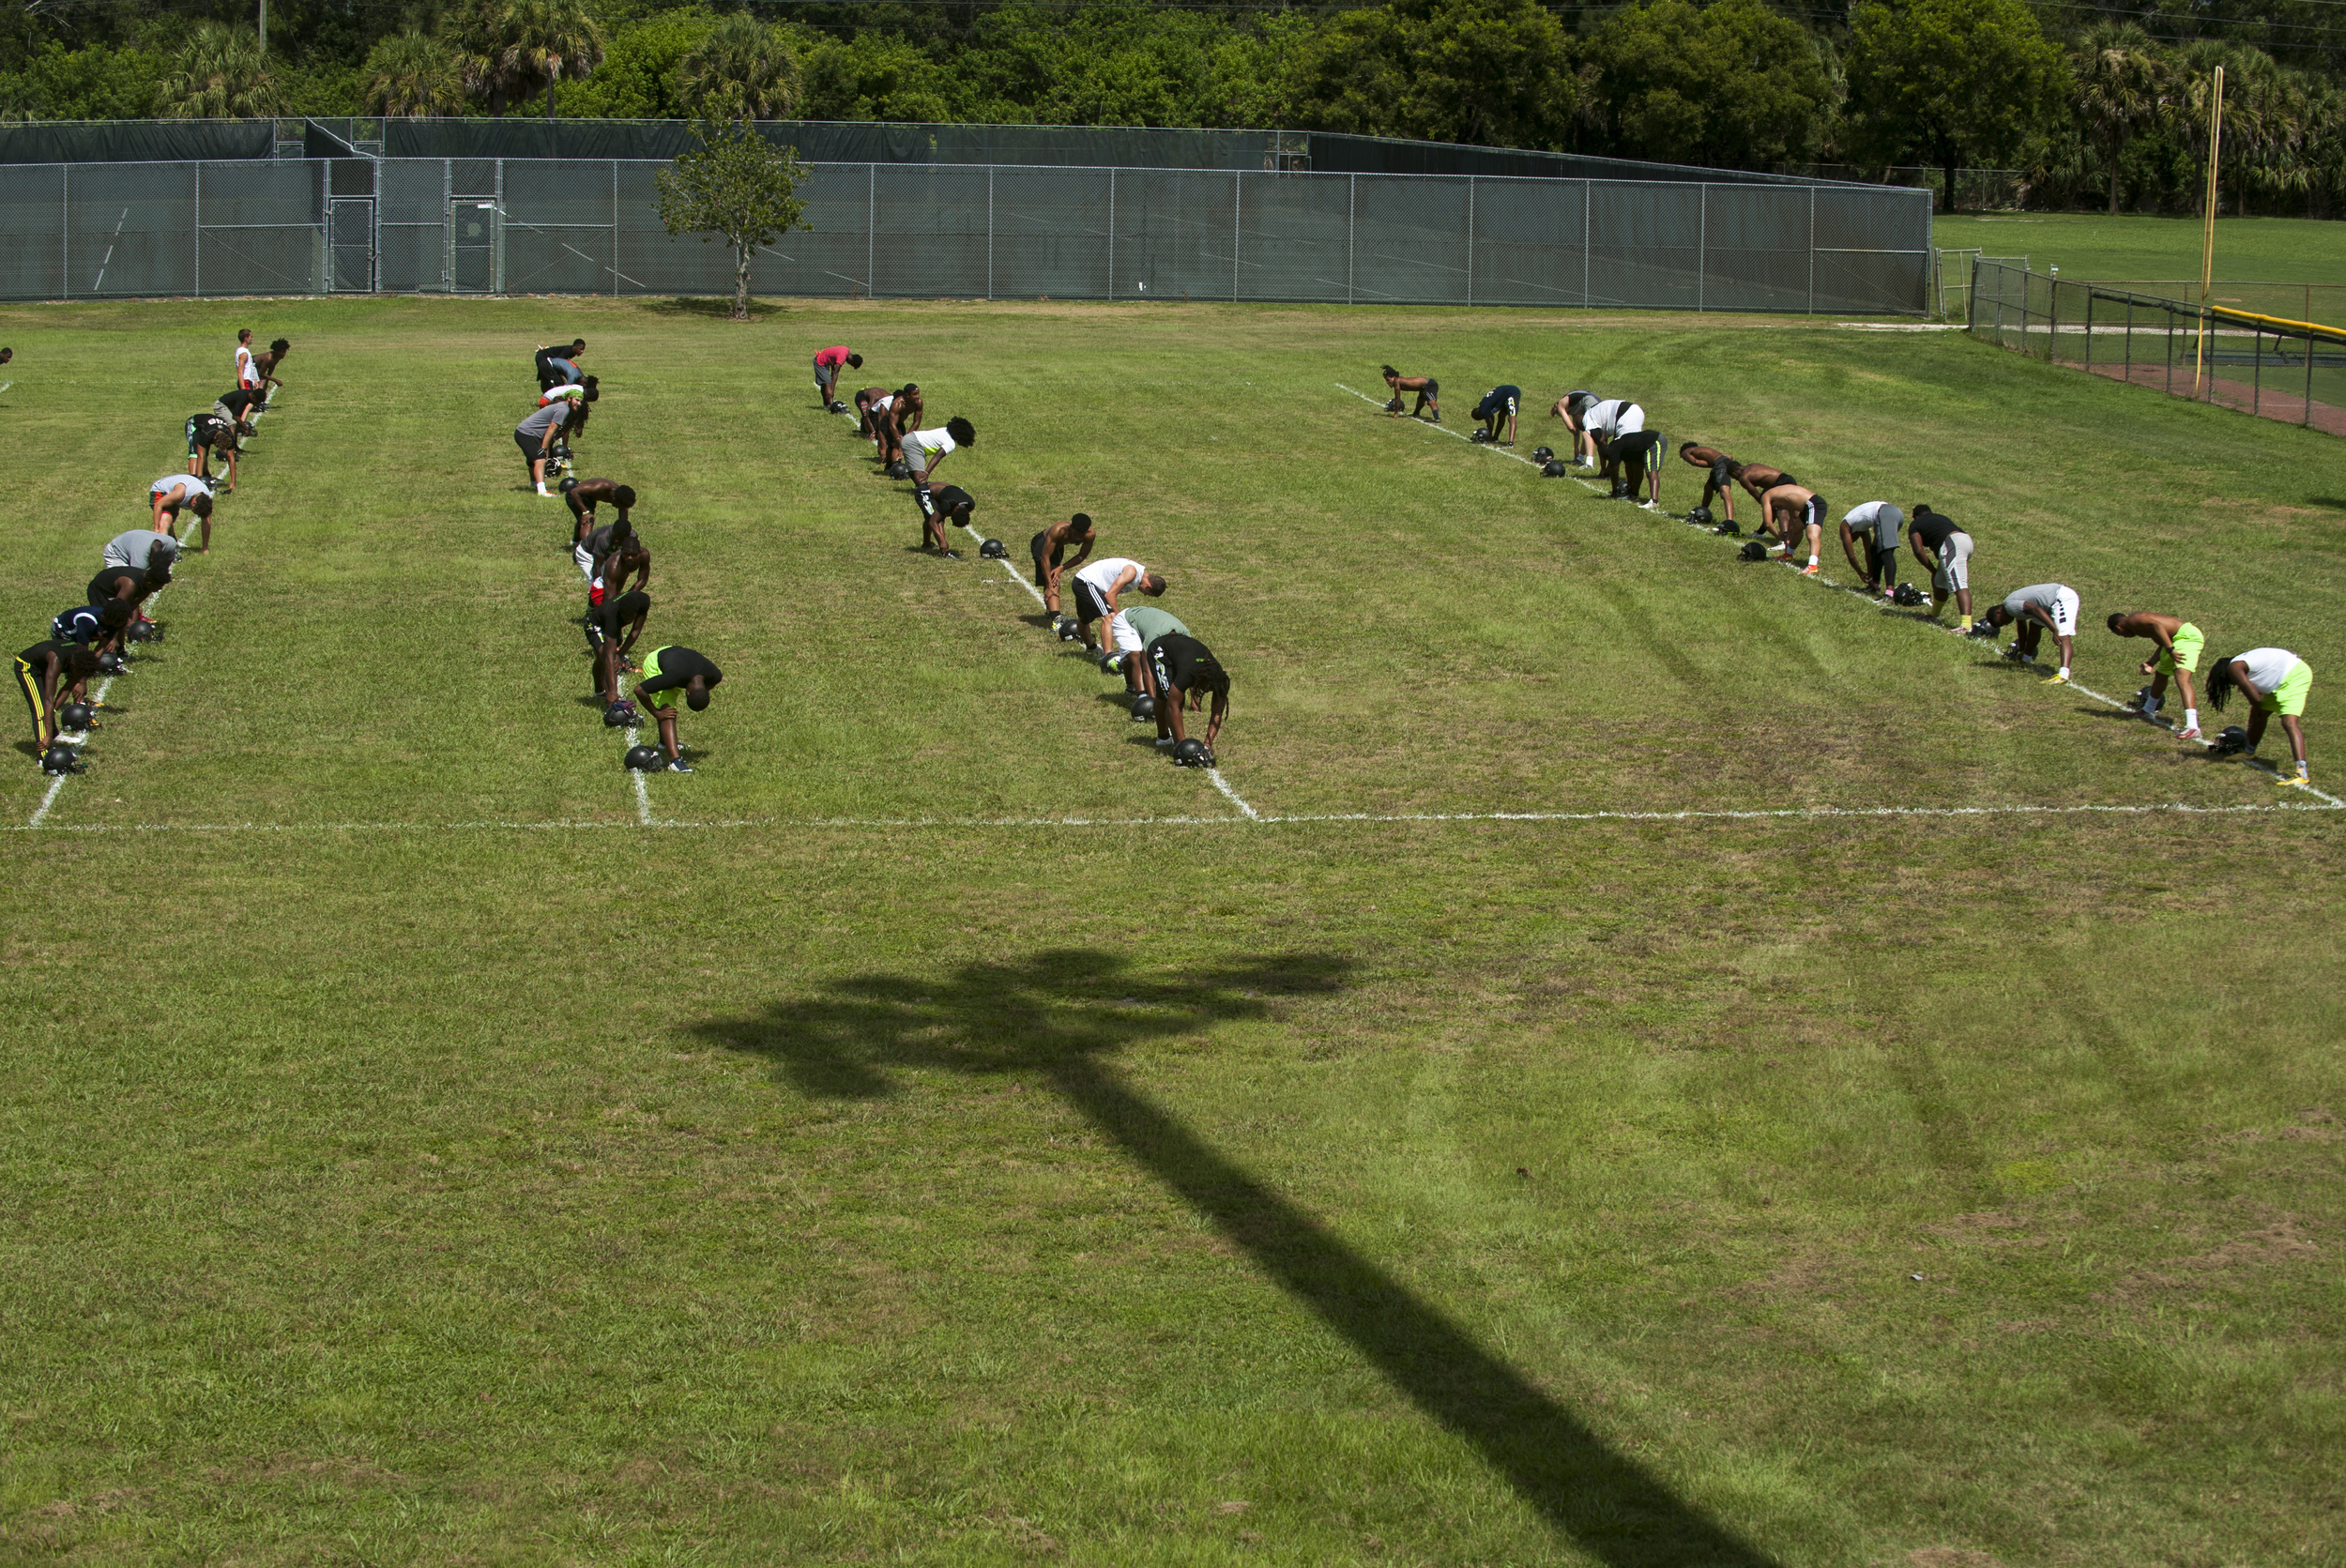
[(2293, 781), (2192, 734)]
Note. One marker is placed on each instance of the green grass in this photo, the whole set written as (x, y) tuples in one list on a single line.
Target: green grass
[(1200, 1192), (2093, 246)]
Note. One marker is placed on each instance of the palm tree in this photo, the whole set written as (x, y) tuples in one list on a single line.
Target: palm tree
[(2266, 119), (2122, 87), (411, 74), (221, 74), (742, 71), (511, 46)]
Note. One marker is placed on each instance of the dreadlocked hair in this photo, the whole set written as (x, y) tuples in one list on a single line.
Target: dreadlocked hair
[(2220, 682)]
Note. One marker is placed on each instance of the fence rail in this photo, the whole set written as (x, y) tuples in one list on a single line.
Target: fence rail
[(2267, 366), (481, 225)]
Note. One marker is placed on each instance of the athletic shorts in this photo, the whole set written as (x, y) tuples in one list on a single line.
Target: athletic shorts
[(651, 672), (2189, 643), (30, 684), (1088, 605), (2286, 699), (1430, 390), (1041, 567), (194, 420), (594, 593), (2066, 605), (1128, 641), (1884, 530), (827, 375), (585, 559), (1955, 565), (531, 450)]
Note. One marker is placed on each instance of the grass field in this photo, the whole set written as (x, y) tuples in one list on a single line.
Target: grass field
[(2093, 246), (959, 1136)]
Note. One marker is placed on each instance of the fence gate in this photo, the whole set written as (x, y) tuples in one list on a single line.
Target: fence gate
[(350, 244), (476, 240)]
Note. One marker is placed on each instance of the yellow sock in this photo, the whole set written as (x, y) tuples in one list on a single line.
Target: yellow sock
[(1967, 623)]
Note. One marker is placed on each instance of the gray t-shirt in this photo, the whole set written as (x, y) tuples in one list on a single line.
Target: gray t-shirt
[(536, 426), (136, 547), (1150, 623)]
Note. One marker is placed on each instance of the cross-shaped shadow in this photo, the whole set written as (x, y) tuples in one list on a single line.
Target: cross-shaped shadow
[(1060, 1015)]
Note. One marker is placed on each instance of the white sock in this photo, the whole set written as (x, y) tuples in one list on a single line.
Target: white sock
[(2302, 772), (2191, 718), (1812, 561), (2064, 672)]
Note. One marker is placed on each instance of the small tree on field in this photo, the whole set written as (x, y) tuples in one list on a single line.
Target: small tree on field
[(738, 187)]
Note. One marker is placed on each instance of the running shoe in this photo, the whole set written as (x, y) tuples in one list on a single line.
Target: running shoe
[(2192, 734), (2293, 781), (679, 765), (1808, 571), (2056, 679)]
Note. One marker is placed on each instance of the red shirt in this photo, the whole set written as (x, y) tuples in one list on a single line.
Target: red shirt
[(831, 357)]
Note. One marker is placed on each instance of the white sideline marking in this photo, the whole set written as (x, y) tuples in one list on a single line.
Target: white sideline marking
[(643, 793), (1252, 815), (1821, 580), (1798, 813), (1212, 773)]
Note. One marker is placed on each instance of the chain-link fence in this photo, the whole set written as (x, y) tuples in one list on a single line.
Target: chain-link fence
[(2275, 368), (485, 225)]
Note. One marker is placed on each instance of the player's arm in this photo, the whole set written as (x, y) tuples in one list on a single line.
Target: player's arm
[(1213, 720)]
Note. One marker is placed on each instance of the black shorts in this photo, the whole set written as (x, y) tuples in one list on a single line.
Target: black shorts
[(1042, 569), (1431, 390), (1089, 607), (531, 450)]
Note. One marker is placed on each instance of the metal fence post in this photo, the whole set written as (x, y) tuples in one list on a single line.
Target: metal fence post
[(1469, 241), (1111, 233), (1351, 217), (198, 174), (2308, 420), (2088, 329), (1238, 189), (1702, 242), (65, 230), (1588, 220), (2052, 322), (871, 233), (2256, 374), (614, 227), (989, 240), (1812, 252)]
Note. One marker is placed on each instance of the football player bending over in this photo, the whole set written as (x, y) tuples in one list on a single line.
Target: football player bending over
[(949, 506), (585, 496), (666, 672), (626, 612), (2034, 609), (1182, 671), (1787, 510), (1052, 543), (1428, 392), (2179, 645), (1875, 528), (1097, 587), (2276, 681), (1498, 407)]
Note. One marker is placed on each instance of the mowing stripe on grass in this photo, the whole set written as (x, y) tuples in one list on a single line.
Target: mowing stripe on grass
[(1252, 819), (1819, 579)]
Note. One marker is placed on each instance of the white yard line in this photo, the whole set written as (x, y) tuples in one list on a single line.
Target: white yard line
[(1222, 785), (643, 791), (1809, 814)]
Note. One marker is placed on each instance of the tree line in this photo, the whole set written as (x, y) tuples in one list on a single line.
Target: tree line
[(2105, 114)]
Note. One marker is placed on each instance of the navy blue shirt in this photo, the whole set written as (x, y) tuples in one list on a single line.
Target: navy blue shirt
[(1498, 401), (81, 624)]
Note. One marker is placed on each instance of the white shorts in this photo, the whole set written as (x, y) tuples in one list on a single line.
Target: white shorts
[(585, 559), (1121, 629), (1955, 565), (2066, 605)]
